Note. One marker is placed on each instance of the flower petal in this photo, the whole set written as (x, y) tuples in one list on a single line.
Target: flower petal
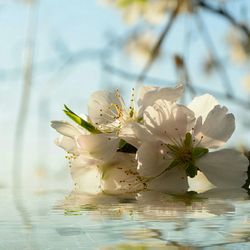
[(101, 107), (225, 168), (152, 159), (134, 133), (67, 129), (172, 181), (217, 128), (120, 175), (100, 146), (167, 120), (149, 94), (202, 105), (199, 183), (67, 143), (86, 176)]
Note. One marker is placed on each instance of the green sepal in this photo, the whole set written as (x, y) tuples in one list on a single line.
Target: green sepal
[(88, 126), (122, 143), (191, 170), (188, 140), (174, 163), (140, 119), (199, 152)]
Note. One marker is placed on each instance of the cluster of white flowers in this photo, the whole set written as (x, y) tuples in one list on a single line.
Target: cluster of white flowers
[(154, 144), (151, 11)]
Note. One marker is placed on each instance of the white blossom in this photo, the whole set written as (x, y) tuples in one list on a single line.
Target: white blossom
[(109, 113), (115, 176), (180, 143)]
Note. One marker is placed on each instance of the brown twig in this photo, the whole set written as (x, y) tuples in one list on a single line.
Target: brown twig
[(133, 76), (223, 13), (182, 70), (50, 65), (152, 80), (159, 42), (225, 79)]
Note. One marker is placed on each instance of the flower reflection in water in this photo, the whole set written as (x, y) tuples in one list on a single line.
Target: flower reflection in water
[(151, 220)]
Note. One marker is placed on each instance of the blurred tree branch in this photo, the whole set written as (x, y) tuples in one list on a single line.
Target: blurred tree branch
[(124, 74), (225, 79), (183, 73), (160, 41), (52, 64), (25, 96), (223, 13)]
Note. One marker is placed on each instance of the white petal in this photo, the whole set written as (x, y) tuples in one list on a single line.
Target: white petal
[(67, 143), (134, 133), (152, 159), (167, 120), (66, 129), (120, 175), (217, 128), (172, 181), (149, 94), (145, 89), (100, 146), (199, 183), (86, 177), (202, 105), (101, 107), (225, 168)]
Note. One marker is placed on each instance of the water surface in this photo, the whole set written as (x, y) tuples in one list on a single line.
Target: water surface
[(57, 219)]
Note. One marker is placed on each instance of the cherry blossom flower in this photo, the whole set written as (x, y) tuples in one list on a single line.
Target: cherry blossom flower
[(151, 11), (115, 176), (173, 143), (94, 163), (109, 113), (94, 143), (180, 143), (68, 136)]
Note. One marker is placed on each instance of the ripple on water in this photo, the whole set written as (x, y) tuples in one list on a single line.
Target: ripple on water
[(148, 220)]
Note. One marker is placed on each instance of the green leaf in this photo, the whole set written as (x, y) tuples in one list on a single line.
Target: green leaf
[(88, 126), (188, 140), (199, 152), (191, 170)]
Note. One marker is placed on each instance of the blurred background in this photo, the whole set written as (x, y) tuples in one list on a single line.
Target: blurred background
[(56, 52)]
